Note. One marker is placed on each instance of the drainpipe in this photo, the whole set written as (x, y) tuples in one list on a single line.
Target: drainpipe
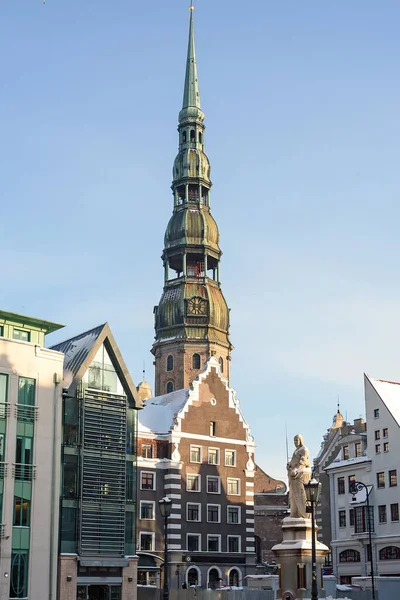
[(57, 380)]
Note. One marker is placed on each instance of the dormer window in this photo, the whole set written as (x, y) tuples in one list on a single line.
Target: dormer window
[(22, 335)]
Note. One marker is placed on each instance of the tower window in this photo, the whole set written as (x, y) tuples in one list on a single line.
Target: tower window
[(200, 137), (221, 364), (196, 361), (192, 135), (170, 387), (170, 362), (184, 137)]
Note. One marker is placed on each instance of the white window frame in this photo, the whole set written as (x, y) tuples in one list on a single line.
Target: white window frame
[(198, 535), (234, 457), (153, 535), (219, 483), (187, 512), (214, 535), (227, 486), (197, 462), (239, 537), (198, 479), (154, 481), (152, 502), (151, 451), (218, 455), (239, 514), (219, 513)]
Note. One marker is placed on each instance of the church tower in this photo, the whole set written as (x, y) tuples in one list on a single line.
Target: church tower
[(192, 318)]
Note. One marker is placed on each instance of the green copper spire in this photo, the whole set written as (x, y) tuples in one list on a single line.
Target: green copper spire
[(191, 93)]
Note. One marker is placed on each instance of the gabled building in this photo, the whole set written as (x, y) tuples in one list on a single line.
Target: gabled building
[(98, 470), (195, 446), (377, 467), (30, 429)]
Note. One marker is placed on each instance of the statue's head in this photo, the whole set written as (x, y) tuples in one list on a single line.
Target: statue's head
[(298, 440)]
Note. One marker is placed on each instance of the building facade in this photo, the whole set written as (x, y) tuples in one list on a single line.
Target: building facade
[(377, 468), (195, 447), (97, 557), (30, 429)]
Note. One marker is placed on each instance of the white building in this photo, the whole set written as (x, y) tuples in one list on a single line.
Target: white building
[(376, 466)]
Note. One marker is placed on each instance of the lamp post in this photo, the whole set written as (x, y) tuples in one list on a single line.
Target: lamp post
[(358, 486), (165, 505), (313, 489)]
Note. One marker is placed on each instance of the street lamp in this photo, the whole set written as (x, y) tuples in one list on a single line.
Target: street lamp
[(165, 505), (355, 487), (313, 489)]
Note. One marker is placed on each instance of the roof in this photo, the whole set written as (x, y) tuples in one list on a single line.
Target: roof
[(79, 352), (46, 326), (347, 463), (389, 393), (160, 412), (191, 93)]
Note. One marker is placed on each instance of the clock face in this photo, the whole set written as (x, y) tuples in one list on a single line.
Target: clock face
[(197, 306)]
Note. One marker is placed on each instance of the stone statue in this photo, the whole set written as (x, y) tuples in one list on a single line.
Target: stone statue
[(299, 473)]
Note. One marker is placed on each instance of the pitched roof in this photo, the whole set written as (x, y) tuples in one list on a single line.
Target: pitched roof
[(79, 352), (160, 412), (389, 393)]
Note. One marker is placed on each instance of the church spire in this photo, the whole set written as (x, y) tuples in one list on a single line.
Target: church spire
[(191, 93)]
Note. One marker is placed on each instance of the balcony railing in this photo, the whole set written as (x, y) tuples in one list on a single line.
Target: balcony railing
[(4, 410), (26, 413), (23, 472), (3, 470)]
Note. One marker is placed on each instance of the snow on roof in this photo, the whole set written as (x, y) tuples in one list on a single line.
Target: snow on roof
[(389, 392), (159, 412), (349, 462)]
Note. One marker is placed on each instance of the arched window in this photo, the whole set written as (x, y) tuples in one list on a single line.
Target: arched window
[(221, 364), (349, 556), (196, 361), (234, 577), (170, 387), (193, 576), (170, 362), (200, 137), (389, 553), (214, 577), (192, 135), (184, 137)]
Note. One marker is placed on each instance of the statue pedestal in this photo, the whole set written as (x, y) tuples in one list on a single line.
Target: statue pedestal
[(293, 557)]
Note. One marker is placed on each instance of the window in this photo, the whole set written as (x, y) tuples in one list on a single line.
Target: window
[(212, 428), (170, 362), (233, 515), (3, 394), (394, 512), (192, 135), (1, 330), (380, 478), (382, 513), (351, 517), (385, 432), (213, 543), (23, 458), (357, 447), (193, 542), (213, 456), (200, 137), (19, 574), (147, 510), (195, 454), (26, 391), (349, 556), (146, 541), (147, 481), (147, 451), (361, 519), (376, 413), (378, 434), (170, 387), (22, 512), (346, 454), (230, 458), (393, 478), (221, 364), (213, 484), (340, 483), (342, 518), (193, 576), (70, 476), (389, 553), (196, 361), (213, 513), (20, 334), (193, 512), (386, 447), (233, 543), (377, 448), (233, 486), (351, 481), (193, 483), (184, 136)]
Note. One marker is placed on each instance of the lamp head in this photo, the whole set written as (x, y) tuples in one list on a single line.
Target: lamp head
[(165, 505), (312, 489)]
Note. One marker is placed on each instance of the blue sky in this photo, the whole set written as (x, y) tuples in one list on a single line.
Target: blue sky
[(301, 102)]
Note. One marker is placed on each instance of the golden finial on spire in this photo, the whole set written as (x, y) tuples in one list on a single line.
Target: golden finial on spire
[(191, 7)]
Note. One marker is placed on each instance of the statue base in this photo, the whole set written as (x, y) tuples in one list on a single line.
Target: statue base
[(293, 557)]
